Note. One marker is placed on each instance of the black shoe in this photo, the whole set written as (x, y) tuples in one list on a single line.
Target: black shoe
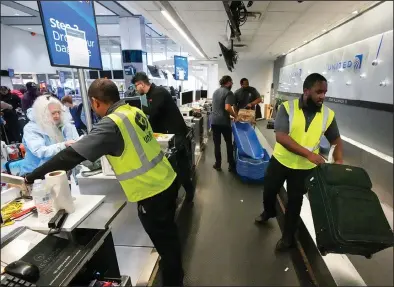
[(232, 169), (262, 218), (217, 167), (284, 245)]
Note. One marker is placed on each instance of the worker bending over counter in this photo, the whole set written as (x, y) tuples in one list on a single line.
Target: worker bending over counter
[(165, 117), (125, 137), (299, 125)]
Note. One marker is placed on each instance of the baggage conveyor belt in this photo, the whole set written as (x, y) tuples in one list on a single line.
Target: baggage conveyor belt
[(221, 244), (377, 271)]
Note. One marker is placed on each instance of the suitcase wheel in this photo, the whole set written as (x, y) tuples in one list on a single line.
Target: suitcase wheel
[(322, 251)]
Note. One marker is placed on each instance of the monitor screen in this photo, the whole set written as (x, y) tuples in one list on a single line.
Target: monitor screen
[(198, 95), (187, 98), (154, 71), (93, 75), (204, 94), (71, 33), (132, 56), (134, 101), (106, 74), (118, 74)]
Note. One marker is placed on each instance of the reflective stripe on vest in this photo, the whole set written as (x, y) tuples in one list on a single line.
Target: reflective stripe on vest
[(326, 113), (146, 165)]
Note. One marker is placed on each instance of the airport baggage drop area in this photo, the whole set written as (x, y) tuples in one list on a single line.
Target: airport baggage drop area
[(185, 47)]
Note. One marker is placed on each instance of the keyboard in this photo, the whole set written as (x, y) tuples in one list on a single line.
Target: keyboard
[(8, 280)]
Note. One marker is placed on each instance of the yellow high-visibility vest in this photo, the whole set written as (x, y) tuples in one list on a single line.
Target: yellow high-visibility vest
[(308, 139), (142, 170)]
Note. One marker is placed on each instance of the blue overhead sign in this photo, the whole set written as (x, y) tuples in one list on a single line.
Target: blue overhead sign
[(181, 68), (11, 73), (71, 33)]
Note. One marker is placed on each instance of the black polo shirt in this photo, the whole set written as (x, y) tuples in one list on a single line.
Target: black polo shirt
[(164, 115)]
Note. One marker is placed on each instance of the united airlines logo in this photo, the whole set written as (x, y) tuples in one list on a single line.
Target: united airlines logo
[(356, 64)]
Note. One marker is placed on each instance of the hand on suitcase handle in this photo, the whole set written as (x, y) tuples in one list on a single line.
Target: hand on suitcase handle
[(315, 158)]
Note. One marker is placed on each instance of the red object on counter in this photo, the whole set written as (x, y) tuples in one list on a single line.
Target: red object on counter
[(22, 149), (13, 152)]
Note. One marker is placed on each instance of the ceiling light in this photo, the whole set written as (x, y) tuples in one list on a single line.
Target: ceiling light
[(29, 28), (355, 12), (176, 26), (16, 14), (305, 42), (324, 30), (283, 54)]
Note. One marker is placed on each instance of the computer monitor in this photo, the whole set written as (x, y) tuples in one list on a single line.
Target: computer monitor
[(197, 95), (204, 94), (105, 74), (154, 71), (186, 98), (134, 101)]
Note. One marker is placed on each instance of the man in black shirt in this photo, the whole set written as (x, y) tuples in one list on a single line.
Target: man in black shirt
[(165, 117), (246, 97)]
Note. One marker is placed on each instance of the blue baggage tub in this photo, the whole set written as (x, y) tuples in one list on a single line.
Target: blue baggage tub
[(246, 141), (251, 170)]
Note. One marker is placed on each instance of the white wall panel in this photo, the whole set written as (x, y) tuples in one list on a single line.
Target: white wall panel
[(259, 74), (349, 70)]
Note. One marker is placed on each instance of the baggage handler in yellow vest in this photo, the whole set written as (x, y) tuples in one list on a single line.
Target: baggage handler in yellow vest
[(299, 125), (125, 137)]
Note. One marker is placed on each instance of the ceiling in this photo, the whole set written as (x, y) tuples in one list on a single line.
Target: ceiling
[(7, 11), (283, 25)]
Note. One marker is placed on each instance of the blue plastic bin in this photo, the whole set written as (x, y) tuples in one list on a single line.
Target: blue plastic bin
[(250, 169), (246, 141)]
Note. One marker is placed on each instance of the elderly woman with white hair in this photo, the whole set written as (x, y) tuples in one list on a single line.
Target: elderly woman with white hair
[(48, 132)]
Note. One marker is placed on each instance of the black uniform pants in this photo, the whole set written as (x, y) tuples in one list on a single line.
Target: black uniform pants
[(157, 215), (275, 177), (217, 132), (184, 165)]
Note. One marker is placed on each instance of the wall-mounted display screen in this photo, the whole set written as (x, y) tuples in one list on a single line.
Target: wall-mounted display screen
[(71, 33), (181, 68)]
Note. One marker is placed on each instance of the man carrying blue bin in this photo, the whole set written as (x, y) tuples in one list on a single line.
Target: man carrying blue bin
[(299, 125)]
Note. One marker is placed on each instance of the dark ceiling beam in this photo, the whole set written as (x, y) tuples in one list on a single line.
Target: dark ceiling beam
[(25, 21), (114, 7), (21, 8)]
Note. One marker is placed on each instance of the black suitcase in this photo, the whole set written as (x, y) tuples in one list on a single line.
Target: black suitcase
[(347, 214)]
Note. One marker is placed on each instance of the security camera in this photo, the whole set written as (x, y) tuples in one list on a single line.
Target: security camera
[(250, 3), (375, 62), (300, 1)]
